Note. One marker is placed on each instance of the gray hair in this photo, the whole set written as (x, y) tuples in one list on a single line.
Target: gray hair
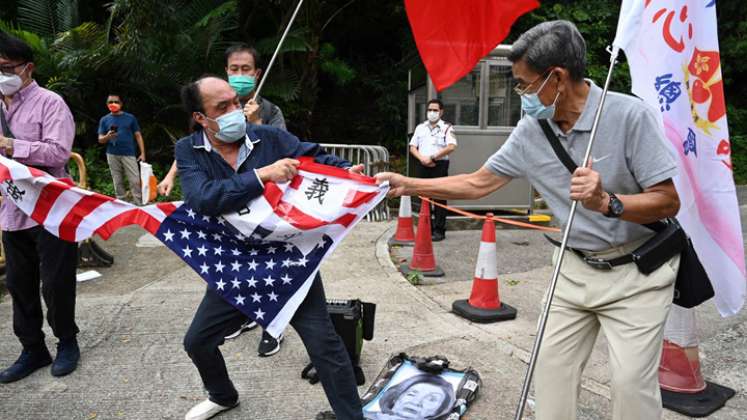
[(557, 43)]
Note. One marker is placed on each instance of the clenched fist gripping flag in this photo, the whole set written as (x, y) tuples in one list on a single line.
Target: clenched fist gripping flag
[(261, 259)]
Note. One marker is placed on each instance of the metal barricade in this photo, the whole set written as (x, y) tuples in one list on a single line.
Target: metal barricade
[(375, 159)]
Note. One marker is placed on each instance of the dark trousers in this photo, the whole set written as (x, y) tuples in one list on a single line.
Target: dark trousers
[(31, 255), (438, 214), (215, 318)]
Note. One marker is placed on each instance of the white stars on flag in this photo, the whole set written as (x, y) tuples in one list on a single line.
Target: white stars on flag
[(239, 299), (235, 266), (286, 279), (236, 283), (168, 236), (259, 314), (202, 251), (219, 267), (220, 284), (187, 252)]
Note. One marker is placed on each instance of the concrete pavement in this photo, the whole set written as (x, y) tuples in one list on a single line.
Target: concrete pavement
[(132, 321)]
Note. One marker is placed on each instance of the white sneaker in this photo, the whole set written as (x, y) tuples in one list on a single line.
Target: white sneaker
[(205, 410), (249, 325)]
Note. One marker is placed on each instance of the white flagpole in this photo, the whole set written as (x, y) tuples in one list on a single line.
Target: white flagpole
[(563, 245), (277, 50)]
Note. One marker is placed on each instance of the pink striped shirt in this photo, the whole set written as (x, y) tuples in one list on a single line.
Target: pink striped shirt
[(43, 132)]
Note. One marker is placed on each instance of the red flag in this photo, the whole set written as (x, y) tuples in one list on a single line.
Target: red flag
[(453, 36)]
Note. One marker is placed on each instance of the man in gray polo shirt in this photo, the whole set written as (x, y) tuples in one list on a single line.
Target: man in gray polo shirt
[(629, 182)]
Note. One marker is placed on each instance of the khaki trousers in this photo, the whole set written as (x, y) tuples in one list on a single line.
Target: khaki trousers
[(630, 309), (123, 167)]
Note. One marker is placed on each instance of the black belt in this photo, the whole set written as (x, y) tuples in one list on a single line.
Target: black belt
[(598, 263)]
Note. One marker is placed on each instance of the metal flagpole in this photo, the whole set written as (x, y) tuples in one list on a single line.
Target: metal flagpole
[(277, 50), (563, 245)]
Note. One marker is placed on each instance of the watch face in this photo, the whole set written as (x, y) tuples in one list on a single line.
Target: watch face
[(616, 207)]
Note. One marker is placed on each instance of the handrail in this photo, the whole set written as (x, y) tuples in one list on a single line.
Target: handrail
[(81, 165)]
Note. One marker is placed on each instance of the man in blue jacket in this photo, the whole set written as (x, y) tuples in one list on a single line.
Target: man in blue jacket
[(223, 165)]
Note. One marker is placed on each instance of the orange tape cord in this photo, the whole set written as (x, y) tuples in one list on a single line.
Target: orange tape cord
[(496, 219)]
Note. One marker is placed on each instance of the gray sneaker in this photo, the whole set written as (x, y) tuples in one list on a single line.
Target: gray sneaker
[(249, 325)]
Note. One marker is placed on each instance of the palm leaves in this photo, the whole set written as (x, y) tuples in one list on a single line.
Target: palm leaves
[(47, 17)]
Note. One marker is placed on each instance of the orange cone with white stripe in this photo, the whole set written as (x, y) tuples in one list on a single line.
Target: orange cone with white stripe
[(423, 260), (484, 304), (405, 235), (683, 388)]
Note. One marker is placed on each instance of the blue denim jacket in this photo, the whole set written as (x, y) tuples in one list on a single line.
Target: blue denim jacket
[(212, 187)]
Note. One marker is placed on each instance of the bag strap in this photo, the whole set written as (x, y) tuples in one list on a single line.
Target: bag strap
[(558, 148), (568, 162), (4, 122)]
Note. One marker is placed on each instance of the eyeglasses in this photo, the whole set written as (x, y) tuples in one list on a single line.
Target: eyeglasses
[(522, 88), (434, 110), (113, 102), (11, 68)]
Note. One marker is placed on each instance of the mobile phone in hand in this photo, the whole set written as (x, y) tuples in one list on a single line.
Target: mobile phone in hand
[(113, 128)]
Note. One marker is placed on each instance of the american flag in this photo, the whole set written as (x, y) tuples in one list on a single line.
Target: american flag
[(261, 259)]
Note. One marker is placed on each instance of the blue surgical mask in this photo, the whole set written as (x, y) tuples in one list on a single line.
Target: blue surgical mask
[(532, 106), (243, 85), (231, 126)]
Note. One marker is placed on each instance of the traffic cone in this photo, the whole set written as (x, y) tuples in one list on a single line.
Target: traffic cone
[(683, 388), (423, 260), (484, 304), (405, 235)]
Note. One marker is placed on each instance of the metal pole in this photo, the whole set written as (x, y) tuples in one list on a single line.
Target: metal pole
[(556, 271), (277, 50)]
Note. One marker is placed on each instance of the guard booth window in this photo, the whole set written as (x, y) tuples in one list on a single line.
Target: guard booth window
[(462, 100), (472, 102), (504, 106)]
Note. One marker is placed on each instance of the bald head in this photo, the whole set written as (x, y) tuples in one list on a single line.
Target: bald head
[(207, 98)]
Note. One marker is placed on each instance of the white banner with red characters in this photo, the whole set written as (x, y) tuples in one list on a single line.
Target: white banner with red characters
[(672, 48)]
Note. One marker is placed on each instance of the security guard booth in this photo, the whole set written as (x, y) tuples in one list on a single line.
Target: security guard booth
[(483, 109)]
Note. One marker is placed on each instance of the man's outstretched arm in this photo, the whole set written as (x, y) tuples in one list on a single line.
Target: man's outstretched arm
[(471, 186)]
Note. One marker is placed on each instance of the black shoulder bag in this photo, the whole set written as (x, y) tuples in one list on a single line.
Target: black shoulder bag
[(692, 286)]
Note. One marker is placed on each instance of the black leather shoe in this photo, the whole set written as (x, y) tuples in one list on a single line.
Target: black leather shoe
[(438, 236), (67, 358), (27, 363), (326, 415)]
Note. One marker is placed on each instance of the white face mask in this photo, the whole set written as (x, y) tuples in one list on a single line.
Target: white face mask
[(9, 85), (433, 116)]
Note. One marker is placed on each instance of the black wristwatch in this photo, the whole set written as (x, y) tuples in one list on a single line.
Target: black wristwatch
[(615, 207)]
